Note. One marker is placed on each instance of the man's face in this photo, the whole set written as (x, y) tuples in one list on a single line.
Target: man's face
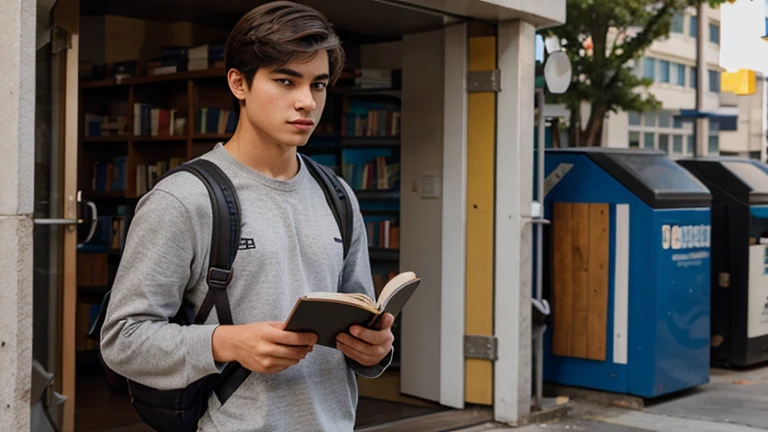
[(284, 104)]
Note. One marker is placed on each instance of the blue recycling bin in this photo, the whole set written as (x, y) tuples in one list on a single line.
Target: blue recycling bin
[(627, 272), (739, 329)]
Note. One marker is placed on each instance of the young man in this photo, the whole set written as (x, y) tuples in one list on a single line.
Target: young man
[(280, 58)]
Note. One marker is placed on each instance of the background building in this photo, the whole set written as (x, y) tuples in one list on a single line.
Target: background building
[(729, 124)]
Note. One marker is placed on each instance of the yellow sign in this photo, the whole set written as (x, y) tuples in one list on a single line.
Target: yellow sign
[(741, 82)]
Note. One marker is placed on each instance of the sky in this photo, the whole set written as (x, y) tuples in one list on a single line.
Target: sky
[(742, 26)]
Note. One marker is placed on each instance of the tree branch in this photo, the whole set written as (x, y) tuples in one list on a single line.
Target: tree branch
[(640, 41)]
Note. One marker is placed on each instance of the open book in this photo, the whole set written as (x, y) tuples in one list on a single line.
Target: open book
[(329, 313)]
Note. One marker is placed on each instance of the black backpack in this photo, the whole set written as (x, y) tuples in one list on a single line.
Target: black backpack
[(179, 410)]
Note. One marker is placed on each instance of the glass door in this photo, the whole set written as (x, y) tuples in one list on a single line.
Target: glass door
[(59, 224)]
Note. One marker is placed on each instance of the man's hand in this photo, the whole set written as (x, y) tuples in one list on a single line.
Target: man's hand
[(262, 347), (366, 346)]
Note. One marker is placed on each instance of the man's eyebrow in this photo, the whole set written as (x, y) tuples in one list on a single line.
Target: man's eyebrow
[(297, 74), (288, 71)]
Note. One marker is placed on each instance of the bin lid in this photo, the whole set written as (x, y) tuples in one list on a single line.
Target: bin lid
[(649, 174), (735, 175)]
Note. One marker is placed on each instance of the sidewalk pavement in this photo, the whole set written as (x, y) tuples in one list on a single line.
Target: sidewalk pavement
[(733, 401)]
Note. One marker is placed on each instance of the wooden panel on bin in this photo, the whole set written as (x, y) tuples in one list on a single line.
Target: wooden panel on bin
[(580, 280), (580, 255), (599, 225)]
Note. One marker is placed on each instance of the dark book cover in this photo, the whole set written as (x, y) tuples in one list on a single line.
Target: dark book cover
[(334, 314)]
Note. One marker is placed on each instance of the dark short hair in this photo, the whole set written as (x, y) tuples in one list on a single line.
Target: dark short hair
[(274, 33)]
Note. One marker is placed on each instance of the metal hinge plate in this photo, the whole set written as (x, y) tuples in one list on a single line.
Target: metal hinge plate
[(483, 81), (480, 347)]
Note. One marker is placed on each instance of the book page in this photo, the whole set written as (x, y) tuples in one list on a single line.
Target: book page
[(361, 300), (393, 285)]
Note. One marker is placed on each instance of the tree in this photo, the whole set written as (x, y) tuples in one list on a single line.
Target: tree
[(604, 39)]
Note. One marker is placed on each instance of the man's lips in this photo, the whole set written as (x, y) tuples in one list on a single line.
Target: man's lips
[(302, 125)]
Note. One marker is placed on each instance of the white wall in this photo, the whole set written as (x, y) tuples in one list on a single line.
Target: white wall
[(421, 219), (616, 130), (677, 46), (749, 136), (17, 115), (673, 97)]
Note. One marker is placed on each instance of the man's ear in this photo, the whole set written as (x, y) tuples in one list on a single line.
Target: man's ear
[(237, 84)]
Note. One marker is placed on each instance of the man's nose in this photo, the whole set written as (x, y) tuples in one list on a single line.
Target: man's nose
[(305, 100)]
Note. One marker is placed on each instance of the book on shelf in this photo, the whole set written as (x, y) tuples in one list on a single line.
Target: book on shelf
[(109, 176), (375, 78), (329, 313), (383, 234), (371, 123), (149, 120), (215, 121), (148, 175), (109, 235), (99, 126), (380, 173)]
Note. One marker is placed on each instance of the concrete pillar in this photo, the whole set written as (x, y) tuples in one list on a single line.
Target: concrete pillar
[(514, 182), (17, 116)]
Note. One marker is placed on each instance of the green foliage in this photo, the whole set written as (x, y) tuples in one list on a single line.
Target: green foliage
[(620, 32)]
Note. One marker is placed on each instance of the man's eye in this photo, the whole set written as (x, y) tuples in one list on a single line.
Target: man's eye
[(320, 85), (284, 81)]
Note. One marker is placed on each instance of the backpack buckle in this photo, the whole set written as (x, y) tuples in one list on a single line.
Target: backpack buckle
[(219, 278)]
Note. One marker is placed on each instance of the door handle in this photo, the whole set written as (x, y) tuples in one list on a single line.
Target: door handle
[(56, 221), (67, 221)]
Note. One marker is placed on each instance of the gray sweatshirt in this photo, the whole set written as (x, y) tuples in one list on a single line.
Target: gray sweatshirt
[(288, 248)]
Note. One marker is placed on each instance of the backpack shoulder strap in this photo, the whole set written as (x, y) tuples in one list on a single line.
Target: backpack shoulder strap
[(336, 196), (225, 236), (225, 239)]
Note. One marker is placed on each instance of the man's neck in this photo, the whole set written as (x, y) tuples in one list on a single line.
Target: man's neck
[(262, 154)]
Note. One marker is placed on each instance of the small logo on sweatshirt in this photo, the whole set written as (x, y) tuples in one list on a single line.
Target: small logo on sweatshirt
[(246, 243)]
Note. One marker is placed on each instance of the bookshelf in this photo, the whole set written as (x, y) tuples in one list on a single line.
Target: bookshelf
[(133, 129)]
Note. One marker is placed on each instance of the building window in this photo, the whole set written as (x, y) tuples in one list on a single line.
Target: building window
[(677, 144), (714, 144), (660, 129), (665, 118), (714, 33), (650, 118), (714, 138), (664, 71), (678, 74), (649, 68), (714, 81), (691, 145), (694, 30), (664, 143), (694, 77), (649, 140), (677, 23)]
